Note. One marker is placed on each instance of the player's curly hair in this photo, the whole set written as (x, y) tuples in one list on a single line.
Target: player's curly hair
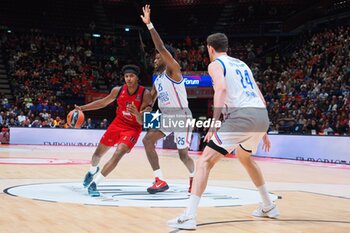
[(131, 68)]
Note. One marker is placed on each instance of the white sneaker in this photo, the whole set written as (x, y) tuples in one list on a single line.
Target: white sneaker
[(183, 222), (270, 211)]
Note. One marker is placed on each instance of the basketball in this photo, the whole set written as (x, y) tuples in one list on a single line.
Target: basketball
[(75, 118)]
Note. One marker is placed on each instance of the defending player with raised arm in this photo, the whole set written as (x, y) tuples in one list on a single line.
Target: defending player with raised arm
[(238, 98), (125, 129), (170, 90)]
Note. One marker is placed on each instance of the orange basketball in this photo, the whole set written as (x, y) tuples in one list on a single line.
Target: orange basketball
[(75, 118)]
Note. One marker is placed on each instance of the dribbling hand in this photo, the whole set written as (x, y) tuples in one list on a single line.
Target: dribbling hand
[(76, 107), (146, 17)]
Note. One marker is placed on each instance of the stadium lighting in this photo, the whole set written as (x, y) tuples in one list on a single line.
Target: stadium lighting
[(9, 31), (127, 29), (96, 35)]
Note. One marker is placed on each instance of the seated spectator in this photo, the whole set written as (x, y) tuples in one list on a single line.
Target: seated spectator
[(89, 124), (21, 117), (56, 122)]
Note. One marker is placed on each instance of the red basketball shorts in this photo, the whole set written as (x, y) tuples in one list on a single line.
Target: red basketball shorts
[(116, 135)]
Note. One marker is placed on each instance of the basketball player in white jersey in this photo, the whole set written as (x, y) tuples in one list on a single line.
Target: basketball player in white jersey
[(170, 90), (239, 99)]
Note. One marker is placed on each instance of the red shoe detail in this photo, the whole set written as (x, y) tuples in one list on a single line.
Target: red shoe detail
[(158, 186)]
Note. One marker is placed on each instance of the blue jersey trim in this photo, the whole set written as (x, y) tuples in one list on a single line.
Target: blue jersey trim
[(173, 80), (223, 65), (158, 76)]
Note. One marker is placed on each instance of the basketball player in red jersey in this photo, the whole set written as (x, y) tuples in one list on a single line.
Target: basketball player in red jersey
[(125, 129)]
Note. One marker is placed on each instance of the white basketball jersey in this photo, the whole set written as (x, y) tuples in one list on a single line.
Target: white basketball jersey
[(241, 89), (172, 96)]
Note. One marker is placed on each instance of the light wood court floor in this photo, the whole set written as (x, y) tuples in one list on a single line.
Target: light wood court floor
[(314, 198)]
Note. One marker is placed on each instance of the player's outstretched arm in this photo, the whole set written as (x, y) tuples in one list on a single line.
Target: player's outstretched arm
[(101, 103), (168, 58)]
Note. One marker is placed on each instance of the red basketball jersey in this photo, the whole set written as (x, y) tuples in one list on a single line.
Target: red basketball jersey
[(125, 118)]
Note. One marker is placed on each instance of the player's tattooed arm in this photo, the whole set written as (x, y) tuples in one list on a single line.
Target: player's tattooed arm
[(101, 103)]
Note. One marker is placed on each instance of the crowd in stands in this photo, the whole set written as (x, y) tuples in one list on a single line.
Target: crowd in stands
[(309, 93), (25, 114), (192, 54), (43, 71), (306, 93), (49, 63)]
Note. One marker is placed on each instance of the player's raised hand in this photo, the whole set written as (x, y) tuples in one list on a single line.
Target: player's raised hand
[(146, 17)]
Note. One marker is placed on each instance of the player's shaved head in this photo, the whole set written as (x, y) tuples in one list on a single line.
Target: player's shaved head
[(218, 41)]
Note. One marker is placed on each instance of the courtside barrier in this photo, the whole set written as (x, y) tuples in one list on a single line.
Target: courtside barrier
[(61, 137), (328, 149), (74, 137)]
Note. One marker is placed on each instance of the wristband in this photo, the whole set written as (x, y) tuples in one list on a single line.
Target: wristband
[(149, 26)]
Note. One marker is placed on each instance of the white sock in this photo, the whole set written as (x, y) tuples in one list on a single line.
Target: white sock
[(193, 205), (192, 173), (99, 178), (158, 173), (264, 196), (93, 169)]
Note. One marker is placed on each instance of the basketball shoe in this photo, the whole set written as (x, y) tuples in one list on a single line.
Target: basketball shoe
[(190, 187), (270, 211), (92, 190), (158, 186), (88, 177), (183, 221)]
